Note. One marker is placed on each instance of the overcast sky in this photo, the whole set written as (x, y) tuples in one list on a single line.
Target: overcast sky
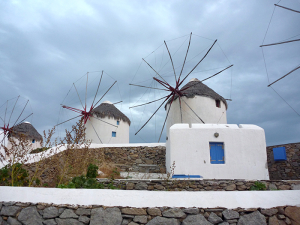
[(46, 46)]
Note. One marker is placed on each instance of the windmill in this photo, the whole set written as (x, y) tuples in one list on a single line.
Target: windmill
[(83, 98), (289, 42), (179, 75), (12, 114)]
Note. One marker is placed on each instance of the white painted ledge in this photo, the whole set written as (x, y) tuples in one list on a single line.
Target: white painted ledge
[(94, 145), (204, 199)]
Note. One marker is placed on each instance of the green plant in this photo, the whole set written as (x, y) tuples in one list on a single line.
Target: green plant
[(69, 185), (114, 173), (111, 186), (92, 171), (13, 175), (258, 186)]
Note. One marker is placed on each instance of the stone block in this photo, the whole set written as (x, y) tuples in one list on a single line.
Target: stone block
[(134, 211), (174, 213), (154, 211), (107, 216)]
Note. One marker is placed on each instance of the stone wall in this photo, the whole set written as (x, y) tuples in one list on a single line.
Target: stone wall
[(285, 170), (199, 185), (137, 159), (51, 214)]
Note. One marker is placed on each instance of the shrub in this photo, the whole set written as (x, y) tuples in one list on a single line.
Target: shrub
[(13, 175), (92, 171), (258, 186)]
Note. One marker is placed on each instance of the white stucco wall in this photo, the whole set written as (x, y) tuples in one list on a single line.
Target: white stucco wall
[(244, 151), (133, 198), (204, 107), (31, 146), (105, 130)]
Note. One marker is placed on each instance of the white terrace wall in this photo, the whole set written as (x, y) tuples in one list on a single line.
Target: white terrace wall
[(105, 130), (244, 151)]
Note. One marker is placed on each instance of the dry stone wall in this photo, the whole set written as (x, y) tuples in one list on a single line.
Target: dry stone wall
[(51, 214), (285, 170), (137, 159), (199, 185)]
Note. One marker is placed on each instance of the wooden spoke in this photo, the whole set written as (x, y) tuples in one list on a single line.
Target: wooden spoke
[(97, 89), (13, 109), (185, 57), (147, 103), (154, 70), (284, 76), (67, 120), (198, 62), (217, 73), (78, 96), (117, 102), (103, 121), (24, 119), (171, 61), (153, 114), (5, 112), (180, 108), (96, 133), (148, 87), (193, 111), (21, 112), (105, 93), (166, 118), (279, 43), (207, 78), (87, 78), (287, 8)]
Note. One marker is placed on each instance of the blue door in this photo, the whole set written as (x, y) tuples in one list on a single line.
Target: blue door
[(216, 153)]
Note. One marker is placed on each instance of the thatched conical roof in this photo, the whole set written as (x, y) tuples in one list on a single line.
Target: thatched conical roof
[(198, 88), (108, 109), (27, 130)]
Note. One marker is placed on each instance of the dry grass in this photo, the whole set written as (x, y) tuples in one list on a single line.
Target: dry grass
[(109, 170)]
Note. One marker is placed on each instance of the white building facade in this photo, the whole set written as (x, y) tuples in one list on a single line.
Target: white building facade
[(218, 151), (199, 104), (108, 125), (201, 143)]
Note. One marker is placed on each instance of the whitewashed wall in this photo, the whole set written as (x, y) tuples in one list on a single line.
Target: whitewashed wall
[(31, 146), (104, 131), (244, 150), (204, 107)]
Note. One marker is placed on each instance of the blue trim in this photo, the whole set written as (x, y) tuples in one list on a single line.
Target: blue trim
[(114, 134), (118, 122), (217, 153), (186, 176), (279, 154)]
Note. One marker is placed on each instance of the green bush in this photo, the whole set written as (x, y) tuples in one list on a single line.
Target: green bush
[(92, 171), (13, 175), (258, 186)]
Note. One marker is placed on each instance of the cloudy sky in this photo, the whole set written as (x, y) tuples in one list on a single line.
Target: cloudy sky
[(46, 46)]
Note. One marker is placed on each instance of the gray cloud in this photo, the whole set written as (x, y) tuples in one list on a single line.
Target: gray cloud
[(46, 46)]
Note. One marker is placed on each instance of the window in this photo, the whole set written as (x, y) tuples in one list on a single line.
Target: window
[(218, 103), (118, 122), (114, 134), (33, 140), (216, 153), (279, 154)]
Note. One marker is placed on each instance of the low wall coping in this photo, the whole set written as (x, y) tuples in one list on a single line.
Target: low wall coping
[(132, 198)]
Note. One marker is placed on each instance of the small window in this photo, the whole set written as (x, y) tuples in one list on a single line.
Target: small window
[(118, 122), (216, 153), (33, 140), (218, 103), (279, 154), (114, 134)]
